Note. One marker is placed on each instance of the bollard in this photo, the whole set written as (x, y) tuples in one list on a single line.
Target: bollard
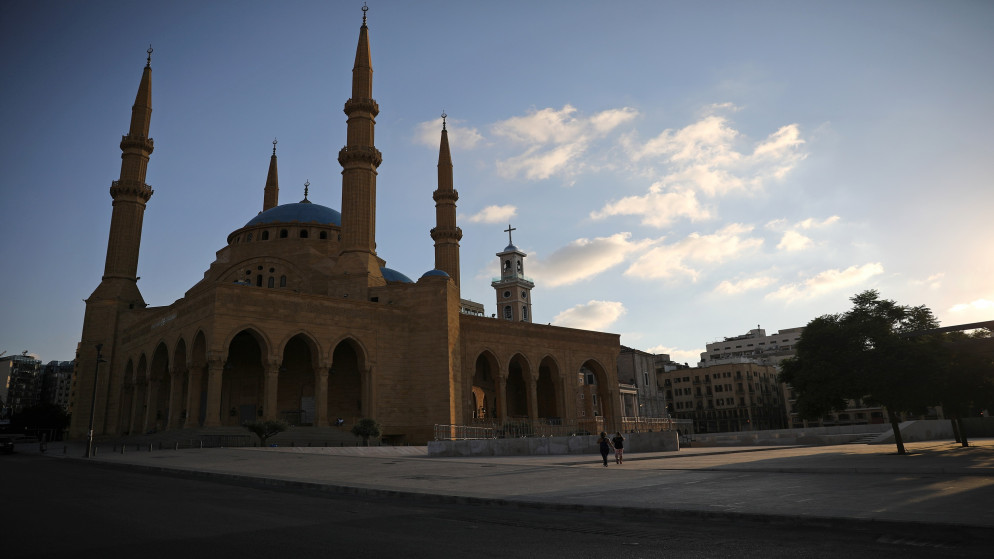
[(201, 443), (177, 446), (150, 447)]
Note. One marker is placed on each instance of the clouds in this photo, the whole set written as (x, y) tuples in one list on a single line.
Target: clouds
[(827, 281), (741, 286), (594, 315), (686, 256), (584, 258), (793, 240), (554, 140), (493, 214)]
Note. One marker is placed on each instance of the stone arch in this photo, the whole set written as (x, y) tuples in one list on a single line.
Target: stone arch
[(178, 386), (157, 412), (348, 385), (127, 397), (595, 395), (295, 387), (517, 387), (243, 377), (197, 375), (549, 389), (485, 387)]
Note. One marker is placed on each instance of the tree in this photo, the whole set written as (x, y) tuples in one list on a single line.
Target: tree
[(266, 429), (876, 352), (969, 381), (366, 428)]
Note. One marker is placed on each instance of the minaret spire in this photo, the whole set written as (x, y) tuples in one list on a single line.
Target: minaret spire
[(446, 233), (130, 193), (271, 194), (359, 159)]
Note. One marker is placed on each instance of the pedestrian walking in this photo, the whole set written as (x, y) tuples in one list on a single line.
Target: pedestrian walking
[(619, 447), (605, 444)]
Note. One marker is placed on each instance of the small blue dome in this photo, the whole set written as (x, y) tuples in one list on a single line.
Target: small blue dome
[(431, 273), (509, 248), (301, 212), (394, 275)]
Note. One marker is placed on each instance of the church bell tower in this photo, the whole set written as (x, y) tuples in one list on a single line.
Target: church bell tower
[(513, 287)]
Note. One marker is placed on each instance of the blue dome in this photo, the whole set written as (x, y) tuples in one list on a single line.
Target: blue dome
[(431, 273), (302, 212), (510, 248), (394, 275)]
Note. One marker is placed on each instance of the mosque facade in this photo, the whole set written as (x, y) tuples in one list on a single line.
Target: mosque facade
[(298, 318)]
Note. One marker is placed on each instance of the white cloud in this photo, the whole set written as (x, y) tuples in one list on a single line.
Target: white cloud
[(984, 305), (705, 158), (827, 281), (933, 282), (812, 223), (689, 356), (668, 261), (748, 284), (554, 140), (493, 214), (792, 241), (584, 258), (594, 315), (657, 208), (430, 134)]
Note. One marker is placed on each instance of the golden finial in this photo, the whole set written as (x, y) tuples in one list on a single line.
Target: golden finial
[(274, 146), (365, 9), (307, 183), (148, 61), (443, 119)]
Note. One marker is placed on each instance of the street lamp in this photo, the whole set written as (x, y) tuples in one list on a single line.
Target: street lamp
[(93, 401)]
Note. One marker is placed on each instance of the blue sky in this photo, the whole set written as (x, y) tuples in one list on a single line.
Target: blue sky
[(676, 171)]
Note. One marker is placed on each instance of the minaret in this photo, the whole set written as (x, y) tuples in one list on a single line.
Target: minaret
[(445, 233), (271, 194), (118, 290), (130, 193), (359, 159), (513, 287)]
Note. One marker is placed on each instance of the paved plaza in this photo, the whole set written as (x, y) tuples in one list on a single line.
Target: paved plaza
[(937, 484)]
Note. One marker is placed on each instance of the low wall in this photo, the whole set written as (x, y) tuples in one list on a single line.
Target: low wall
[(911, 431), (527, 446)]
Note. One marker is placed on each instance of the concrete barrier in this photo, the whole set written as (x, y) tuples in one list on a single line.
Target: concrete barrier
[(662, 441)]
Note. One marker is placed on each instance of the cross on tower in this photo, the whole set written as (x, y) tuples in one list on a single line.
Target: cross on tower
[(508, 231)]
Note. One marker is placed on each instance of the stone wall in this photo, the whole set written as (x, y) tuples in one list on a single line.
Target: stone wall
[(528, 446)]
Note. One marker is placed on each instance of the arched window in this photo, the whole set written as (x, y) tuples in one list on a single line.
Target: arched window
[(265, 235), (507, 265), (282, 281), (507, 312), (524, 312), (272, 281), (258, 280), (519, 266), (283, 233), (323, 235), (248, 238), (303, 233)]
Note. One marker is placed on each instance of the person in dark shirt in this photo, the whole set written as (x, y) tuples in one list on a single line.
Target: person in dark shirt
[(619, 447), (605, 445)]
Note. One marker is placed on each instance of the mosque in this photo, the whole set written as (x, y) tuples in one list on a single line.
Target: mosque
[(299, 319)]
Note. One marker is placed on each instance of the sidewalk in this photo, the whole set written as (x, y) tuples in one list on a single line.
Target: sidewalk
[(938, 484)]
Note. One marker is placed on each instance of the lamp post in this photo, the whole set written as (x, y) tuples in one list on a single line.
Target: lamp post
[(93, 401)]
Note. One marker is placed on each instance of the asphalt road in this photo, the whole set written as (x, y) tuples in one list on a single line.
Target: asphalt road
[(56, 508)]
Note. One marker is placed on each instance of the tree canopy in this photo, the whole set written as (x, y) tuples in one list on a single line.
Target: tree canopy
[(868, 354)]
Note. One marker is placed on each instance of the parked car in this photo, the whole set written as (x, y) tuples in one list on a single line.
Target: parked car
[(6, 445)]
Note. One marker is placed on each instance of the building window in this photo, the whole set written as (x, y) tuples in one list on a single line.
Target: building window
[(265, 235), (248, 238), (282, 281), (283, 233), (272, 281), (323, 235), (524, 312), (303, 233), (507, 312), (258, 280)]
